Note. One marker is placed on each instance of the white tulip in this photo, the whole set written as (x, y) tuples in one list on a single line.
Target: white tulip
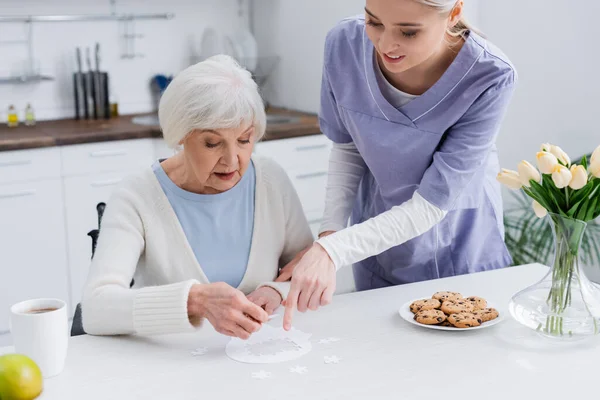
[(561, 176), (580, 177), (546, 147), (539, 210), (509, 178), (528, 172), (561, 155), (546, 162), (594, 167)]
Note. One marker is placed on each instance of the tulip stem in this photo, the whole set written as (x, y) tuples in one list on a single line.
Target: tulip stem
[(567, 196)]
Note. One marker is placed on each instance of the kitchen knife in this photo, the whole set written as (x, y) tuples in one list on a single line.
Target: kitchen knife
[(92, 83), (98, 83), (76, 84)]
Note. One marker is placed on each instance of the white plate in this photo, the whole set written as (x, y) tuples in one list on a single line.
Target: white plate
[(408, 316)]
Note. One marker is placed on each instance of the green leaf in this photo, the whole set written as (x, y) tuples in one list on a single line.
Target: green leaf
[(584, 204), (584, 162), (582, 211), (556, 193), (544, 198), (582, 193), (597, 212), (540, 199), (592, 209)]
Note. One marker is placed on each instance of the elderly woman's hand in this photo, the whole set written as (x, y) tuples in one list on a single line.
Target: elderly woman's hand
[(267, 298), (226, 308), (313, 283)]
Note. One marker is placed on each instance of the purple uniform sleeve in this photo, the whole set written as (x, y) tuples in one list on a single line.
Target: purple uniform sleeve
[(330, 121), (465, 148)]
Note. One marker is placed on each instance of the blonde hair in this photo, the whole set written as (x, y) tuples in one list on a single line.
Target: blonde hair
[(214, 94), (446, 6)]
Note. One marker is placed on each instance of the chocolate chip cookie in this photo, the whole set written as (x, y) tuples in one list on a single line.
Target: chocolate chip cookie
[(430, 317), (486, 314), (478, 303), (426, 304), (464, 320), (456, 306), (443, 296)]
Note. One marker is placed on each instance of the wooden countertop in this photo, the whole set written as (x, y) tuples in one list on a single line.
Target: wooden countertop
[(69, 131)]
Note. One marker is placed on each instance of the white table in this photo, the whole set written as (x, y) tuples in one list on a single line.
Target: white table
[(383, 356)]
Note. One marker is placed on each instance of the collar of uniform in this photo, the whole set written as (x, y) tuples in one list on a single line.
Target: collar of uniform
[(418, 108)]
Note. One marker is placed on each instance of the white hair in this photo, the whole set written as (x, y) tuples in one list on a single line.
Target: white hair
[(216, 93), (445, 6)]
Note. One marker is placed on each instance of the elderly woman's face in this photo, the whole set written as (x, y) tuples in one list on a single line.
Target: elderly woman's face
[(219, 158)]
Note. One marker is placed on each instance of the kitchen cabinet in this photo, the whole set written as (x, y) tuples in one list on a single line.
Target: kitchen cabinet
[(90, 174), (161, 150), (305, 160), (33, 260), (82, 194)]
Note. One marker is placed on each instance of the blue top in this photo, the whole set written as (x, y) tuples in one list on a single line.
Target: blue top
[(218, 227), (441, 144)]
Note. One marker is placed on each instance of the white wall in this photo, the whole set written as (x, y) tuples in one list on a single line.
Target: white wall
[(166, 46), (295, 30), (555, 50)]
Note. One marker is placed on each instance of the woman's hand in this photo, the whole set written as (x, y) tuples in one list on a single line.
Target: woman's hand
[(226, 308), (313, 283), (286, 272), (266, 298)]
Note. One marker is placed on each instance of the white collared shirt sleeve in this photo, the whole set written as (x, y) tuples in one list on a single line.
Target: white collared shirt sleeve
[(376, 235)]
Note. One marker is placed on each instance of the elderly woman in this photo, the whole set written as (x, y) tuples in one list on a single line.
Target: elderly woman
[(202, 229)]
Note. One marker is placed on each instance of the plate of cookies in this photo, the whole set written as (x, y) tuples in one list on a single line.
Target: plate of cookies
[(450, 311)]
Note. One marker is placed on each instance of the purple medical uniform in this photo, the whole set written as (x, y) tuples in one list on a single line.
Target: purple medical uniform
[(441, 144)]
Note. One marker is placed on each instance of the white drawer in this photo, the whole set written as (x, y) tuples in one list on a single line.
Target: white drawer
[(27, 165), (315, 217), (120, 155), (310, 186), (161, 150), (298, 153)]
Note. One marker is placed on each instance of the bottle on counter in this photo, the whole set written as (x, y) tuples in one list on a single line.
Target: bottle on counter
[(113, 101), (13, 118), (114, 107), (29, 115)]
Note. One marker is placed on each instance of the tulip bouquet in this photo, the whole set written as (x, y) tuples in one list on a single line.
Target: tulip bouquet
[(569, 194), (559, 187)]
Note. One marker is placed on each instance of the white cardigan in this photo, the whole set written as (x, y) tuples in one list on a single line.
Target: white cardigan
[(142, 238)]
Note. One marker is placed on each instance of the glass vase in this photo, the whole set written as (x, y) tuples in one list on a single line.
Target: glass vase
[(564, 304)]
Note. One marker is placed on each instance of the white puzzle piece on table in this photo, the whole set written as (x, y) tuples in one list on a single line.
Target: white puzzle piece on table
[(261, 375), (332, 359), (269, 345), (200, 351), (329, 340), (298, 370)]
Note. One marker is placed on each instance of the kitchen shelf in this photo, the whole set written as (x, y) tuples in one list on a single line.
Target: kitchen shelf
[(25, 79), (84, 17)]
